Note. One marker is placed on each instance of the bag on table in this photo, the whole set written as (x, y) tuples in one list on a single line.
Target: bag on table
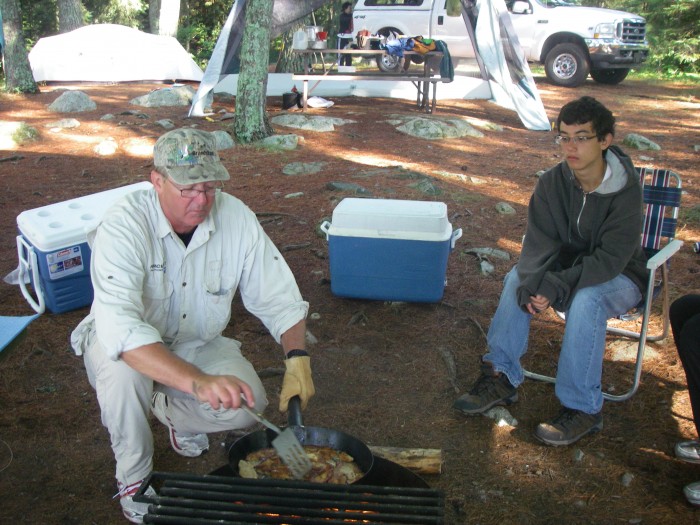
[(423, 45)]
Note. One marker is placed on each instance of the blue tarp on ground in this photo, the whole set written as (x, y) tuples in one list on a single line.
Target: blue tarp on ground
[(11, 327)]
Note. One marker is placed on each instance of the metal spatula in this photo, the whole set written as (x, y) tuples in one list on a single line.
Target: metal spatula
[(287, 445)]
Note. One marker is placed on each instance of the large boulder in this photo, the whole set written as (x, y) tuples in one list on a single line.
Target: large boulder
[(437, 128), (170, 96), (311, 122), (71, 102)]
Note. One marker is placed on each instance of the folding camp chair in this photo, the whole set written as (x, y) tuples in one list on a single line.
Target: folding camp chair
[(662, 198)]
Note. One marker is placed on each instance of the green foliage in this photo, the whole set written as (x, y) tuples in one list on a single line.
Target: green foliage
[(27, 87), (39, 19), (131, 13), (199, 41), (676, 57), (672, 30), (650, 74), (674, 35), (24, 133), (200, 27), (690, 216)]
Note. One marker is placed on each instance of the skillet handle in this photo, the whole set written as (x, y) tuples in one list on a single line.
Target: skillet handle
[(294, 416)]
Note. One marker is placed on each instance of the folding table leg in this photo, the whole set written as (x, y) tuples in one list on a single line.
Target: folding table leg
[(432, 108), (305, 93)]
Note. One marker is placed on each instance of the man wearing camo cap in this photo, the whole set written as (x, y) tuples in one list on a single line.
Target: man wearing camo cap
[(166, 263)]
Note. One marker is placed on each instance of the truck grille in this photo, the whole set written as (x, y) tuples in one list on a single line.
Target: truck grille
[(632, 31)]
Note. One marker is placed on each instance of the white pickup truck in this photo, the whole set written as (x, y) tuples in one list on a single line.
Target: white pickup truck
[(571, 41)]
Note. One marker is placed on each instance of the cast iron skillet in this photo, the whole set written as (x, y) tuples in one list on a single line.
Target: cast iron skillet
[(321, 437)]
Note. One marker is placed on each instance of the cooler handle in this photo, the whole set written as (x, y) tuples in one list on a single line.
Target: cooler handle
[(325, 228), (455, 235), (24, 266)]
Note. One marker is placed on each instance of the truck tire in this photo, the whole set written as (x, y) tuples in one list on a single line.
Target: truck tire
[(566, 65), (609, 76), (388, 63)]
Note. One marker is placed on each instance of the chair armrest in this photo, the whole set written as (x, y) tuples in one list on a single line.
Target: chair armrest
[(664, 254)]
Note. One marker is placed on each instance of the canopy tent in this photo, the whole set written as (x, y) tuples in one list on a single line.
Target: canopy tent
[(505, 75), (111, 53)]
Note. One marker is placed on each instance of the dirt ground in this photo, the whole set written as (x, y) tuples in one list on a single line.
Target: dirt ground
[(379, 367)]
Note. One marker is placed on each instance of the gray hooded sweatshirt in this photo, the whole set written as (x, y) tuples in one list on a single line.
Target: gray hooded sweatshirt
[(576, 239)]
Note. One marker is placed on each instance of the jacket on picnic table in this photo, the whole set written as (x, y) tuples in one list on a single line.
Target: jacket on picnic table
[(398, 46), (446, 67), (576, 239)]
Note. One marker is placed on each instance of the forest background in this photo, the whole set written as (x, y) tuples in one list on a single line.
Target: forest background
[(673, 30)]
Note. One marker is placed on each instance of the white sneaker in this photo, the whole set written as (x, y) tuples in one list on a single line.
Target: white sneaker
[(692, 493), (133, 511), (688, 451), (185, 444)]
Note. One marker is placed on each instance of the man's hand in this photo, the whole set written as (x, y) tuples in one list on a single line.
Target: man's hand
[(297, 382), (537, 304), (221, 391), (160, 364)]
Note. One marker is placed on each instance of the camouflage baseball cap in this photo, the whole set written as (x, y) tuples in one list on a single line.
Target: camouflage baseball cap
[(188, 156)]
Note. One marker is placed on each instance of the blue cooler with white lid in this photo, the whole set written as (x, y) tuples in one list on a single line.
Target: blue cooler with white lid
[(53, 250), (389, 249)]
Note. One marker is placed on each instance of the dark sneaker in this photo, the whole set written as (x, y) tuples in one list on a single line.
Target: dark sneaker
[(688, 451), (568, 427), (491, 389)]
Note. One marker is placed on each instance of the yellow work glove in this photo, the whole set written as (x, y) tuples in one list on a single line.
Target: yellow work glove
[(297, 382)]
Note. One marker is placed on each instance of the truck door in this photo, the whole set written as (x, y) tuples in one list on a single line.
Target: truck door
[(527, 24), (451, 30)]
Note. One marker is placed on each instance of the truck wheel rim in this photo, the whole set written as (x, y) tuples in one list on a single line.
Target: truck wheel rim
[(565, 66), (390, 62)]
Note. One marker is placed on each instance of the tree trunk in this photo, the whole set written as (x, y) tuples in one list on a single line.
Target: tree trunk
[(288, 61), (154, 16), (163, 16), (18, 74), (70, 15), (251, 122)]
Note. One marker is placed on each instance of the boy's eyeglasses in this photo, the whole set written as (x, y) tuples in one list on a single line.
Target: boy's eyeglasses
[(578, 139)]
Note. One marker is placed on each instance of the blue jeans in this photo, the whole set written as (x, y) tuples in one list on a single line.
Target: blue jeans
[(581, 359)]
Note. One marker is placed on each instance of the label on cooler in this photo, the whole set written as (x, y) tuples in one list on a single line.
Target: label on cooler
[(65, 262)]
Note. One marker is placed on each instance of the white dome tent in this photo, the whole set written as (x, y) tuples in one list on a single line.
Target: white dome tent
[(111, 53)]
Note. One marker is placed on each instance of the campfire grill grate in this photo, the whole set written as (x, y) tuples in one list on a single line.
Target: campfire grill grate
[(206, 499)]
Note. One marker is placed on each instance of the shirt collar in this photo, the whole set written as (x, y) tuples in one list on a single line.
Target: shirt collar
[(164, 228)]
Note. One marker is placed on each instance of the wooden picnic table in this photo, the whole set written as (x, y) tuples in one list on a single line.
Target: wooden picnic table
[(422, 80)]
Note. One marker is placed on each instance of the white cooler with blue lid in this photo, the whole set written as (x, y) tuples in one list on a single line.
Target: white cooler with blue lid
[(389, 249), (53, 250)]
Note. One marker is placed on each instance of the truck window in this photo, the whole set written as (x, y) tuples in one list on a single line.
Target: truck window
[(396, 3)]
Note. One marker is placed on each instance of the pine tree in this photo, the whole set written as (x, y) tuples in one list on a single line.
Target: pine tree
[(70, 15), (18, 73), (252, 123)]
